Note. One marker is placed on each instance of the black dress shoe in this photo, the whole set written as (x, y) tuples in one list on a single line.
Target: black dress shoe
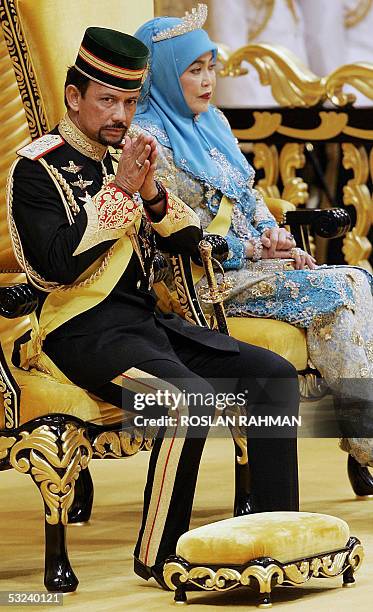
[(146, 572), (360, 478)]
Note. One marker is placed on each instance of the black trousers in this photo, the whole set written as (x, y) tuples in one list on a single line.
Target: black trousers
[(271, 386)]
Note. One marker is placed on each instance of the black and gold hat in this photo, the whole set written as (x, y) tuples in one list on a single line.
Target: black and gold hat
[(112, 58)]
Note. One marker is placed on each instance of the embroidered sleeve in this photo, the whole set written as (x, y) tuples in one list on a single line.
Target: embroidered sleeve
[(109, 215), (166, 170), (178, 217), (263, 218), (236, 254)]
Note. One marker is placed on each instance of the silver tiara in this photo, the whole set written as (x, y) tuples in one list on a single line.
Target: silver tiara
[(190, 21)]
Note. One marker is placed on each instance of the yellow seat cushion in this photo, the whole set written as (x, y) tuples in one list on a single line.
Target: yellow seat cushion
[(279, 208), (280, 337), (284, 536), (41, 395)]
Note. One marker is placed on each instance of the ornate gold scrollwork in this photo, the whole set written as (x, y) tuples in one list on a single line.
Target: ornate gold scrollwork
[(267, 572), (41, 454), (356, 246), (329, 565), (265, 124), (6, 444), (291, 159), (331, 124), (225, 578), (121, 443), (356, 556), (297, 573), (292, 83), (358, 75), (19, 54), (8, 400), (264, 575), (266, 157), (357, 13)]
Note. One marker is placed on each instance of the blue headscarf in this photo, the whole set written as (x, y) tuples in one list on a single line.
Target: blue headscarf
[(205, 147)]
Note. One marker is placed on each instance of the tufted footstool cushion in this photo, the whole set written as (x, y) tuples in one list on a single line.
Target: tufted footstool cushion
[(263, 550), (280, 535)]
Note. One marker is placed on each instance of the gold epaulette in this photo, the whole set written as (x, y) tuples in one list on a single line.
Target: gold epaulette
[(41, 146)]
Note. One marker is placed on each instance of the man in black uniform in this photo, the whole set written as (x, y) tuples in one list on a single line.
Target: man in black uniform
[(85, 237)]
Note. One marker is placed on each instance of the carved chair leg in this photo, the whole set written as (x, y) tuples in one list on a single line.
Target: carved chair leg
[(348, 577), (81, 508), (54, 450), (58, 575), (265, 600), (180, 595)]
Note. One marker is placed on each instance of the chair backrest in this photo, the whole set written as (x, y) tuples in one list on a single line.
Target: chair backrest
[(38, 41), (285, 143)]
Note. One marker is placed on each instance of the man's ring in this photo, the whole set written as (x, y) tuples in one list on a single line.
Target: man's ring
[(138, 163)]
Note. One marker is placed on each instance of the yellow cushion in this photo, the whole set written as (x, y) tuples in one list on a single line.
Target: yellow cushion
[(281, 338), (41, 395), (284, 536), (279, 208)]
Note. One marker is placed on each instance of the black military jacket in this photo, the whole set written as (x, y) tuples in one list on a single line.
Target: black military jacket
[(123, 330)]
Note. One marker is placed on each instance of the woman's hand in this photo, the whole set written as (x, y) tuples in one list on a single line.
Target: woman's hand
[(277, 239), (300, 257)]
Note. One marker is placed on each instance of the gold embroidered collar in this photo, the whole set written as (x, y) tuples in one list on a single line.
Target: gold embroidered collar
[(71, 133)]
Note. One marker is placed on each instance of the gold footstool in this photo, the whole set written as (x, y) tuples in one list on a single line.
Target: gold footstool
[(261, 551)]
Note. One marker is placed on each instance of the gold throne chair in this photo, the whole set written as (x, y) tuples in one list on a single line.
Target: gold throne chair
[(48, 429), (51, 430)]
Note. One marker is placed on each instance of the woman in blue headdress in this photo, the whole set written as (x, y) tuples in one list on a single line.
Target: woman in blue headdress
[(200, 161)]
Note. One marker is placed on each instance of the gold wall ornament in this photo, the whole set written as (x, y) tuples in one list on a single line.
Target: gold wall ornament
[(355, 14), (266, 158), (291, 159), (265, 124), (261, 12), (359, 75), (54, 464), (6, 444), (356, 246), (331, 125), (292, 83)]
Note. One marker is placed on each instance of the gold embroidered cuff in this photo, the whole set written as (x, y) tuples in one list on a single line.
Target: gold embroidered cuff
[(109, 215), (178, 216)]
